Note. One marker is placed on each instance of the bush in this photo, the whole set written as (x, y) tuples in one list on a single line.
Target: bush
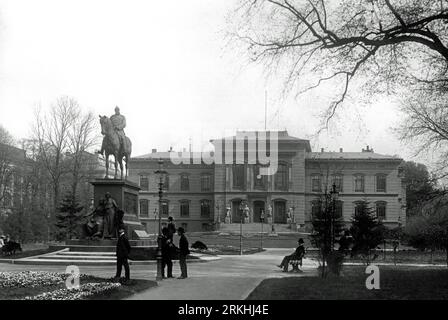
[(335, 262)]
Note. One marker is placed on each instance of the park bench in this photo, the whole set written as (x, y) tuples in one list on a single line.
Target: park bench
[(295, 263)]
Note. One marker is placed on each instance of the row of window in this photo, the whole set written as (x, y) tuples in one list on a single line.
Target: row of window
[(206, 184), (358, 182), (204, 226), (380, 208), (184, 207), (260, 181)]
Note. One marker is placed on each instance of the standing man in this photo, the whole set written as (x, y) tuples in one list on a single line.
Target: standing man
[(171, 228), (183, 252), (122, 252), (167, 250)]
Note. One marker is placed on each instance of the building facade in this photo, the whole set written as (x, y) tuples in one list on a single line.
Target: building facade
[(199, 193)]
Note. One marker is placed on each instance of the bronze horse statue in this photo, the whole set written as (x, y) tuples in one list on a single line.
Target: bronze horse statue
[(112, 145)]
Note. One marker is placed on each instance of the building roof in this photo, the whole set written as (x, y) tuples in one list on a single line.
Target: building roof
[(350, 156), (282, 136), (165, 155), (12, 153)]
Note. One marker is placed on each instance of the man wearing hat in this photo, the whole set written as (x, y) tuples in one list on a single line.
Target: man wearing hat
[(171, 228), (122, 252), (183, 252), (297, 255)]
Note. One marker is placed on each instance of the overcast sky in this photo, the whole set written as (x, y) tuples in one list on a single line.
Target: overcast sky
[(166, 65)]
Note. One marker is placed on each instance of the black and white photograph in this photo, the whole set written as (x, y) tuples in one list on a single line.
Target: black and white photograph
[(239, 152)]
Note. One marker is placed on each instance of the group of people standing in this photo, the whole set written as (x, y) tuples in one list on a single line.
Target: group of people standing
[(169, 251)]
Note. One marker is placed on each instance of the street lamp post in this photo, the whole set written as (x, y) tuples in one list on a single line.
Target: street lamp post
[(219, 218), (161, 173), (334, 197), (261, 235), (241, 227), (155, 223)]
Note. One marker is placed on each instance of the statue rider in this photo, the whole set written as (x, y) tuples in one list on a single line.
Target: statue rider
[(119, 123)]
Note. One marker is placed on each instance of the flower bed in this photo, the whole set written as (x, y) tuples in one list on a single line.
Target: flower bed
[(32, 279), (39, 285), (84, 291)]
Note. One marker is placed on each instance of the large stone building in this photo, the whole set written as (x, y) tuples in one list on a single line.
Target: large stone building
[(199, 193)]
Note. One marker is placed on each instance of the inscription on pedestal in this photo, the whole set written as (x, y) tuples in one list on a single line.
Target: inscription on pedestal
[(130, 203)]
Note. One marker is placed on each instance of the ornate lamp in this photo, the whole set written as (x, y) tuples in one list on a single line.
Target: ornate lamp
[(161, 174), (334, 194)]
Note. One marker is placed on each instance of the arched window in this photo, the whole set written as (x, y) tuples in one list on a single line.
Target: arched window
[(381, 210), (338, 182), (359, 182), (339, 211), (144, 182), (316, 207), (381, 182), (205, 208), (238, 176), (260, 181), (144, 207), (281, 177), (184, 208), (206, 182), (316, 183), (184, 182), (165, 208), (359, 205)]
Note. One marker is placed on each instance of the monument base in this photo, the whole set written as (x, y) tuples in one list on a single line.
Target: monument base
[(125, 194)]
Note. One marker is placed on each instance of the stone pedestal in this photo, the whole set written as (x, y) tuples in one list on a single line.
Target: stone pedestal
[(125, 194)]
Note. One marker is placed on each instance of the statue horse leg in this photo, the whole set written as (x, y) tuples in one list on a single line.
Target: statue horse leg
[(127, 160), (107, 166), (116, 166), (120, 161)]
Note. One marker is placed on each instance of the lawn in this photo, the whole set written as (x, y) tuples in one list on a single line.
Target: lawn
[(401, 256), (51, 286), (227, 250), (395, 283)]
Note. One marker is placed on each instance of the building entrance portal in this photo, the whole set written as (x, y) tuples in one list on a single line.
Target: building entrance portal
[(259, 209), (236, 211), (280, 211)]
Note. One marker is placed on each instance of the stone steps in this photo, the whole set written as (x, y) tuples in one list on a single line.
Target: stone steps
[(257, 228), (81, 258)]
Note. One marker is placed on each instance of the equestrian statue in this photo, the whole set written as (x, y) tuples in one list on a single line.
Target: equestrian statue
[(115, 141)]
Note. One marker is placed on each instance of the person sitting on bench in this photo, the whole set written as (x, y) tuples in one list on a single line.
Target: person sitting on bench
[(297, 255)]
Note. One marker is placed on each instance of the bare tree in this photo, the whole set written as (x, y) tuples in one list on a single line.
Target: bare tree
[(82, 137), (52, 131), (6, 161), (425, 124), (385, 44)]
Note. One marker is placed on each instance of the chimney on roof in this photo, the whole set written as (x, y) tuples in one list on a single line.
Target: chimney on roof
[(322, 149), (341, 150), (154, 151), (367, 149)]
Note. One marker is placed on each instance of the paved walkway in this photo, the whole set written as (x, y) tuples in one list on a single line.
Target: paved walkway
[(232, 277)]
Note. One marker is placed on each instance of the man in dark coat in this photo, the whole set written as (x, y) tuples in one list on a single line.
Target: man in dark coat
[(171, 228), (184, 251), (297, 255), (167, 251), (122, 252)]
